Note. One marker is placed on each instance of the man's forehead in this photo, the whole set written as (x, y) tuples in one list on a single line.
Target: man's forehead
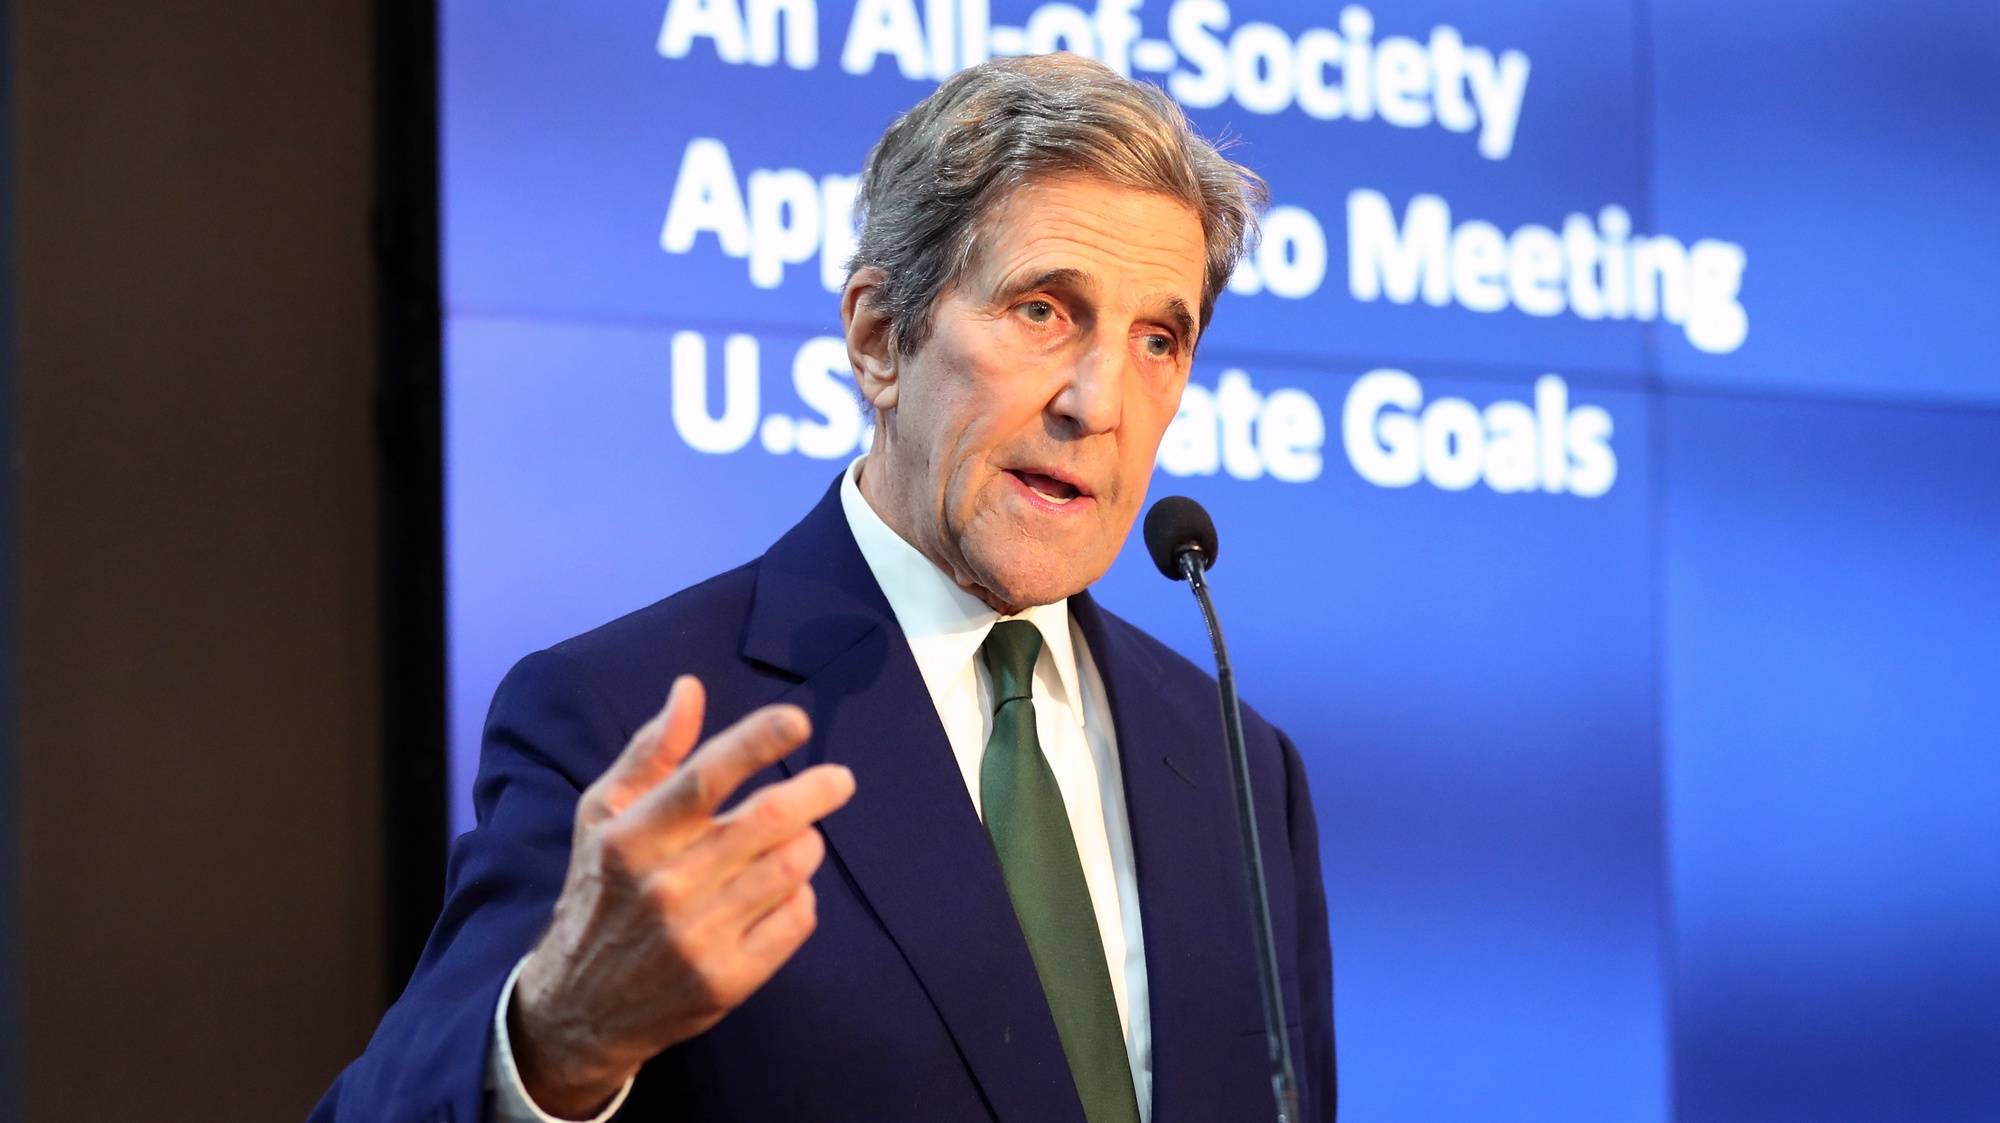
[(1091, 233)]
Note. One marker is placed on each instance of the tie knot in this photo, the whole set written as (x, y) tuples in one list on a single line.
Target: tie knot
[(1010, 651)]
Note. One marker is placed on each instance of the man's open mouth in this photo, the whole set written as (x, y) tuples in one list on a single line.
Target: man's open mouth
[(1048, 487)]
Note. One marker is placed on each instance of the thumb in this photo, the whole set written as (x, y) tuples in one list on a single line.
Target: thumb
[(657, 749)]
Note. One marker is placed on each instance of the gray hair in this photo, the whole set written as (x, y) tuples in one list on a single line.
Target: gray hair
[(946, 164)]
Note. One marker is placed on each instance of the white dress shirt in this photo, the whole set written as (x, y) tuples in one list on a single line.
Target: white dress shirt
[(945, 626)]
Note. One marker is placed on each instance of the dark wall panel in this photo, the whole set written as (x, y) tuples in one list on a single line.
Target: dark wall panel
[(199, 635), (10, 794)]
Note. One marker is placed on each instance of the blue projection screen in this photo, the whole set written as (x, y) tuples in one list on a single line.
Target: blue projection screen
[(1605, 436)]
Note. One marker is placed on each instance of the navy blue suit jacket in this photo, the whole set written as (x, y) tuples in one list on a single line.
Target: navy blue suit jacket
[(916, 998)]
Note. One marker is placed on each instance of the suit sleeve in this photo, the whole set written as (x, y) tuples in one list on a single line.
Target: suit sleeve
[(547, 737), (1318, 1080)]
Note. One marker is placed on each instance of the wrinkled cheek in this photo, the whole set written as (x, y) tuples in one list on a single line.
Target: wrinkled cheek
[(971, 500), (983, 520), (1114, 517), (957, 497)]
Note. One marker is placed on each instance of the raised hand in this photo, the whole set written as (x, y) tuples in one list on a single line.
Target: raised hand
[(671, 914)]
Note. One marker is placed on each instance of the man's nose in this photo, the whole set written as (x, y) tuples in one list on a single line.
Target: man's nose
[(1092, 398)]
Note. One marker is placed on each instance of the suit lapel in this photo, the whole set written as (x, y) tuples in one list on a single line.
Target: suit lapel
[(1190, 897), (909, 841)]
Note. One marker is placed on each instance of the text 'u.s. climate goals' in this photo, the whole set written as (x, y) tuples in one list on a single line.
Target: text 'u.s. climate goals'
[(1392, 432)]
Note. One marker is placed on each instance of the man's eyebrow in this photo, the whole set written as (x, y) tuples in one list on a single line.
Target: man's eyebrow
[(1176, 310), (1182, 319), (1064, 277)]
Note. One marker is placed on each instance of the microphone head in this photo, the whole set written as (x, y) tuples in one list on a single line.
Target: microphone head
[(1178, 523)]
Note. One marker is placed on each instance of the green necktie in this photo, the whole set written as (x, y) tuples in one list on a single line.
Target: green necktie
[(1030, 831)]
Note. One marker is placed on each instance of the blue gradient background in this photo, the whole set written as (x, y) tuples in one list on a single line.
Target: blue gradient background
[(1676, 803)]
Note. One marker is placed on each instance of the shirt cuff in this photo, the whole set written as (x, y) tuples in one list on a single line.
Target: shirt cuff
[(510, 1102)]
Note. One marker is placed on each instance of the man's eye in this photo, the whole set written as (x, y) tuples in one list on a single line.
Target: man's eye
[(1159, 346), (1038, 311)]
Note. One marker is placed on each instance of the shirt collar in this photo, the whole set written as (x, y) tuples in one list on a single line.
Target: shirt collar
[(944, 624)]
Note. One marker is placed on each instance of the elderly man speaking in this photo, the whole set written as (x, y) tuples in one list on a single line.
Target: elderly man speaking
[(921, 831)]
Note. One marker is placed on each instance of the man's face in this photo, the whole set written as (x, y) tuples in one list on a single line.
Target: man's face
[(1014, 447)]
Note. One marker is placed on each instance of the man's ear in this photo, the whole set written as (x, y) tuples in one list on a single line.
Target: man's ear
[(869, 348)]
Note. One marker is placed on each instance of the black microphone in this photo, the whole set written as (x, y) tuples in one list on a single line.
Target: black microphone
[(1176, 524), (1181, 538)]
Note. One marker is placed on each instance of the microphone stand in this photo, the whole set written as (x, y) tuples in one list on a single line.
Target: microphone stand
[(1284, 1085)]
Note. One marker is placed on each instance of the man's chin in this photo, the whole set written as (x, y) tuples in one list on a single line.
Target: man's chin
[(1013, 588)]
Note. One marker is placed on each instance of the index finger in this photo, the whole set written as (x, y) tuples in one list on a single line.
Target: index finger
[(720, 765)]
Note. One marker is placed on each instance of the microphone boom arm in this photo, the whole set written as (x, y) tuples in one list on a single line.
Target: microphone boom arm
[(1284, 1084)]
